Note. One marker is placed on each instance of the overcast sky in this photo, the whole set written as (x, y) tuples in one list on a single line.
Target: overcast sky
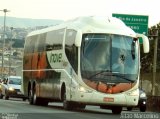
[(69, 9)]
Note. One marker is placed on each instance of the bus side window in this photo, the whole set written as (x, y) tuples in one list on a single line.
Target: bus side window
[(41, 43), (70, 49), (54, 40)]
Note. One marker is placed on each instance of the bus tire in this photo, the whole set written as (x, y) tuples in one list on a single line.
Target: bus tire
[(30, 96), (116, 110), (36, 100), (66, 104)]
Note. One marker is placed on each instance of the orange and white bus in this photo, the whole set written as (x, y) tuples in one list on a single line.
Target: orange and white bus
[(85, 61)]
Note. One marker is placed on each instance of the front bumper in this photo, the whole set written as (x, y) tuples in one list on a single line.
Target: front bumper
[(97, 98), (15, 93)]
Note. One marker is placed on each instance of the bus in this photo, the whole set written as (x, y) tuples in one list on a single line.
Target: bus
[(85, 61)]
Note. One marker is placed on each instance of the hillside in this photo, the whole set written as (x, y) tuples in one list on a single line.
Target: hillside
[(26, 22)]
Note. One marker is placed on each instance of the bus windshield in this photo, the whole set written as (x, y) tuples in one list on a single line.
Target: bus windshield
[(109, 58)]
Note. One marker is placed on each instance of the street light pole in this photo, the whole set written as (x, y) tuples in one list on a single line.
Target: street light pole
[(4, 30), (154, 62), (10, 52)]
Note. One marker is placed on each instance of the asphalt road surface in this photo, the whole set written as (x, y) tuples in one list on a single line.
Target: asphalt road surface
[(18, 109)]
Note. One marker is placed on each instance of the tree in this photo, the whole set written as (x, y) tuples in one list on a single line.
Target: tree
[(147, 59)]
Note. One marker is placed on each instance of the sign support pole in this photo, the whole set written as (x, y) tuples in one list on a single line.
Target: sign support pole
[(154, 62)]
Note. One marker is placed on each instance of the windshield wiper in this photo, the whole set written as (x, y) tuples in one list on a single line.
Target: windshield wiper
[(100, 73), (111, 74), (123, 77)]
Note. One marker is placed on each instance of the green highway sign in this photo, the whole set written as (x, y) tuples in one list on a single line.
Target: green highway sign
[(139, 23)]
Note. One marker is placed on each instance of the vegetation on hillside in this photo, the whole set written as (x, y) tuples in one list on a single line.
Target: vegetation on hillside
[(147, 59)]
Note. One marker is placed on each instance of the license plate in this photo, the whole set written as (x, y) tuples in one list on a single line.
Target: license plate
[(108, 99)]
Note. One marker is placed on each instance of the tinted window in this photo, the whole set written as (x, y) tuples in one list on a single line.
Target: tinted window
[(54, 40), (30, 44), (41, 42), (70, 49)]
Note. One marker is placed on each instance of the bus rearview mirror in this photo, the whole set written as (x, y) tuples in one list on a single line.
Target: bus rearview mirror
[(145, 42)]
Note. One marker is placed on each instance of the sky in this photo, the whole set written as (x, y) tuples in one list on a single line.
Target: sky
[(69, 9)]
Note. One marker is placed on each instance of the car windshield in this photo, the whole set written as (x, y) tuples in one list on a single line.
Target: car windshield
[(15, 81), (109, 58)]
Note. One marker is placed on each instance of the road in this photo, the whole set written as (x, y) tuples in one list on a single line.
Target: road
[(18, 109)]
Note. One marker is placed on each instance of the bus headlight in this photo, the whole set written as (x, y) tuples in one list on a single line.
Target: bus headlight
[(83, 89), (11, 89)]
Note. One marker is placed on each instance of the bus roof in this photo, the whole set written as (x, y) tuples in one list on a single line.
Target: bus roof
[(92, 24)]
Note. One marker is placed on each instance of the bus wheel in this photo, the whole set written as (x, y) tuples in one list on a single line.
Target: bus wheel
[(66, 104), (116, 110), (30, 97), (36, 100)]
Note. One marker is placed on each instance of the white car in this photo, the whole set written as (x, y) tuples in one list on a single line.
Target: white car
[(142, 103), (11, 87)]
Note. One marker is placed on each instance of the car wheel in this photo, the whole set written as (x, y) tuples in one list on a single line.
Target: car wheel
[(6, 97), (24, 99), (1, 96), (142, 108)]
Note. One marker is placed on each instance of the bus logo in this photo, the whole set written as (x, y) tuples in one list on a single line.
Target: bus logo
[(57, 57)]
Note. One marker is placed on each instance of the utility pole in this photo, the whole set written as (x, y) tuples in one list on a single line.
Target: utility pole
[(154, 61), (10, 52), (4, 30)]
